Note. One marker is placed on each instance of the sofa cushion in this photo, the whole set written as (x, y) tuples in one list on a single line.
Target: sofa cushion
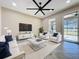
[(4, 50), (55, 34)]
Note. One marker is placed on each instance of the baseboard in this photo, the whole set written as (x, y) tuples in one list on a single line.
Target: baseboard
[(71, 42)]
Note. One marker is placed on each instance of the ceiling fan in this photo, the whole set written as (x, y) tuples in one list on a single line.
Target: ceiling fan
[(40, 8)]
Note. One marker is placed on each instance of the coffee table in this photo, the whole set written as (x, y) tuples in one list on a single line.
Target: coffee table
[(37, 43)]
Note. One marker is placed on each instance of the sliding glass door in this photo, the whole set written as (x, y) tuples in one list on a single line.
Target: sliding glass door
[(71, 28)]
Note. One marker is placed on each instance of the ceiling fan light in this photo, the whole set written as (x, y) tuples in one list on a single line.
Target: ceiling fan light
[(41, 8)]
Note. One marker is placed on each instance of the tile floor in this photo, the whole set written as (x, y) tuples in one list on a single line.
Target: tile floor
[(65, 51), (43, 52)]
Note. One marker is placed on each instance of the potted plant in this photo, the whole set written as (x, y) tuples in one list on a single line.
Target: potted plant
[(41, 30)]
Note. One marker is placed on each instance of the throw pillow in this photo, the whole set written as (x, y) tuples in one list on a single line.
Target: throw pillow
[(8, 38), (55, 34), (4, 50)]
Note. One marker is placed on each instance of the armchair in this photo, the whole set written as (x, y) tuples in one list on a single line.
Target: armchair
[(9, 48), (56, 37)]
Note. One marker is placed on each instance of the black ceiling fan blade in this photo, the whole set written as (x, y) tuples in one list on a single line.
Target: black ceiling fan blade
[(46, 3), (32, 8), (52, 9), (36, 12), (36, 3), (43, 12), (48, 9)]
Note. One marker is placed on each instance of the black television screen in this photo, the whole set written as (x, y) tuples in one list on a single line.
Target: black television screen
[(25, 27)]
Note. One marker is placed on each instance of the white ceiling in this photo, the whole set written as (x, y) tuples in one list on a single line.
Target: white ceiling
[(21, 6)]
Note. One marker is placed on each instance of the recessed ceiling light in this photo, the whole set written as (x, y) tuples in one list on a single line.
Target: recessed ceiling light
[(68, 1), (14, 4)]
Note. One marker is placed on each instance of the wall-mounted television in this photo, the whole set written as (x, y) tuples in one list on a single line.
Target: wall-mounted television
[(25, 27)]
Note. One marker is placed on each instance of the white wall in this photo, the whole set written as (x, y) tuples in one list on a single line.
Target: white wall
[(11, 19), (0, 20)]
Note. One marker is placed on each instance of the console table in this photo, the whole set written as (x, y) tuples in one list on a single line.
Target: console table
[(24, 36)]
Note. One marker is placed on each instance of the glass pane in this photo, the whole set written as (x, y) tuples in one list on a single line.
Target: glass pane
[(52, 26), (71, 29)]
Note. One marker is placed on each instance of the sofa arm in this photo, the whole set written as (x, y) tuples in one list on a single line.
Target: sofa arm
[(17, 56), (59, 38)]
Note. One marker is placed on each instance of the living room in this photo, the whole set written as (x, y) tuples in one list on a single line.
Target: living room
[(26, 25)]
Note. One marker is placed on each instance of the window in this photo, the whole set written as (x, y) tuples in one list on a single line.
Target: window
[(71, 28), (52, 25)]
